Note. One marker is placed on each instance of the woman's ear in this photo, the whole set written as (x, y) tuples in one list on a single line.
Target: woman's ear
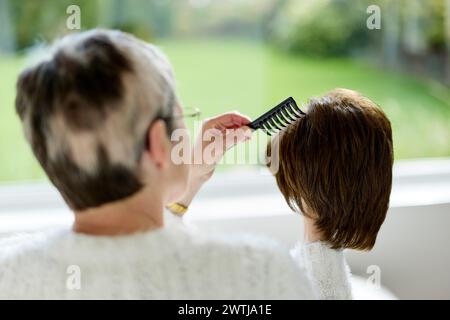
[(159, 144)]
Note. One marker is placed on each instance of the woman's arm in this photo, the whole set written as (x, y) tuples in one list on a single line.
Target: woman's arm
[(227, 129)]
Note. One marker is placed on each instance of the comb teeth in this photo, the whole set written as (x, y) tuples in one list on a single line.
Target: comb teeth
[(278, 118)]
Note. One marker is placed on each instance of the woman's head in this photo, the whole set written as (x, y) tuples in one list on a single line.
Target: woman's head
[(90, 112), (335, 165)]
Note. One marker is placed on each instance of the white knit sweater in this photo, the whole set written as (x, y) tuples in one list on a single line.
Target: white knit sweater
[(174, 262)]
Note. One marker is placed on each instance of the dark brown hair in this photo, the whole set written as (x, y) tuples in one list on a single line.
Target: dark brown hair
[(335, 165)]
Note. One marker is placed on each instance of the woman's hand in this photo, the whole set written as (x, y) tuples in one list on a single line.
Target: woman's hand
[(218, 134)]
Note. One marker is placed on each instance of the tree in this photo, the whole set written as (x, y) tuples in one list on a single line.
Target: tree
[(447, 41), (7, 36)]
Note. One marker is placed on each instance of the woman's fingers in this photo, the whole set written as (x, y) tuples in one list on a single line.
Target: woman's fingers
[(218, 135), (228, 120), (241, 134), (232, 137)]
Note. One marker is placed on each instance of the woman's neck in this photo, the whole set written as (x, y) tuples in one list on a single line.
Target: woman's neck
[(138, 213)]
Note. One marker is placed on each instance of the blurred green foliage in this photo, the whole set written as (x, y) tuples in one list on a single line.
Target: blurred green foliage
[(314, 27), (322, 27), (338, 27), (43, 20)]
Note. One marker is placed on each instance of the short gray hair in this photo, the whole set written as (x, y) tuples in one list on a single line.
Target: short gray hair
[(86, 109)]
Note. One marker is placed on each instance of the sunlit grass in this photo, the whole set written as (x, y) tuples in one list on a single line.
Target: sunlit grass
[(221, 76)]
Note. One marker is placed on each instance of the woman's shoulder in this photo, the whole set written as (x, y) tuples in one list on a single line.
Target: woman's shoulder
[(248, 262), (243, 248), (237, 247), (20, 248), (256, 260)]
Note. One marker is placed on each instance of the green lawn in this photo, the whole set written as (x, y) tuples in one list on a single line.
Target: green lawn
[(222, 76)]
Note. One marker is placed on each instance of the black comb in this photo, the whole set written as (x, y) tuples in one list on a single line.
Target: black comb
[(278, 118)]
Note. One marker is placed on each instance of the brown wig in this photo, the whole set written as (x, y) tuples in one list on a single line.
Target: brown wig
[(335, 165)]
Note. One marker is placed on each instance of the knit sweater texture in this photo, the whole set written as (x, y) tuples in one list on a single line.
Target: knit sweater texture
[(177, 261)]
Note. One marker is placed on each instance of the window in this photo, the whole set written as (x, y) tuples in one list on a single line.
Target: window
[(248, 55)]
